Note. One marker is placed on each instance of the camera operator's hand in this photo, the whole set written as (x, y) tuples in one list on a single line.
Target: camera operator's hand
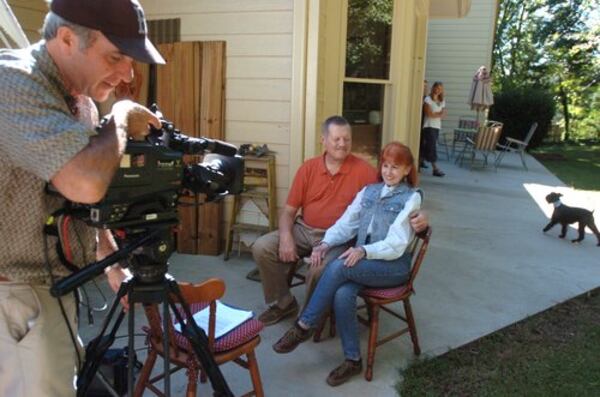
[(105, 246), (134, 118), (115, 275)]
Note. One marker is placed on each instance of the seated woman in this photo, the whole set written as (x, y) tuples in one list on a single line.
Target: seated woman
[(379, 219)]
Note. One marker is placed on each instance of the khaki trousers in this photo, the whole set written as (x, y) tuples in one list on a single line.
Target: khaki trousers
[(274, 273), (37, 357)]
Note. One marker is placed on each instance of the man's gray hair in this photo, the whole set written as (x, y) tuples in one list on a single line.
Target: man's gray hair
[(53, 22), (335, 120)]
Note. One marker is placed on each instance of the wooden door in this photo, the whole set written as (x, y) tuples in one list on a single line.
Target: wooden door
[(190, 92)]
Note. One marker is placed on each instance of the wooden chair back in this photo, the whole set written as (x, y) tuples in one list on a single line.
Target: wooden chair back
[(197, 296), (488, 136)]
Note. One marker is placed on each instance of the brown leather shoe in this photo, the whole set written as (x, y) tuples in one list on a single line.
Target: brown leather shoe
[(275, 314), (292, 338), (345, 371)]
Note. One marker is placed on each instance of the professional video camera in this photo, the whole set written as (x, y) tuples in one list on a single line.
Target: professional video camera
[(152, 175), (140, 207)]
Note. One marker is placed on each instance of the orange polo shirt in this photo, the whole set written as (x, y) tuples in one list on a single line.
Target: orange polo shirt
[(324, 197)]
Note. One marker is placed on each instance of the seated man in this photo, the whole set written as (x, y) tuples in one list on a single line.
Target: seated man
[(322, 189)]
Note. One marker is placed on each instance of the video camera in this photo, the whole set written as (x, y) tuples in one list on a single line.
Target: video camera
[(152, 175), (141, 201)]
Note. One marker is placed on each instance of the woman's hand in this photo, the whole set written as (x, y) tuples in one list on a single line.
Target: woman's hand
[(353, 255), (317, 255)]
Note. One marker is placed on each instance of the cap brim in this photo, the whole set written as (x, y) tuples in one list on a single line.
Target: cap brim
[(140, 49)]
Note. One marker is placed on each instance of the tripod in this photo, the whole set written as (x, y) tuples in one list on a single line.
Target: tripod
[(150, 285)]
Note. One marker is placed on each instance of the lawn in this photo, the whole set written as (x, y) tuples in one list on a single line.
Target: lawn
[(577, 165), (554, 353)]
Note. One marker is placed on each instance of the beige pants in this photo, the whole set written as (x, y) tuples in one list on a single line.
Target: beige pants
[(37, 357), (273, 272)]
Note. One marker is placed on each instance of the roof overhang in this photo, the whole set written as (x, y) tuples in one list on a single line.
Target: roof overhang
[(11, 34), (449, 8)]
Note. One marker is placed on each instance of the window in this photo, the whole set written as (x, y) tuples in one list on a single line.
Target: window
[(367, 70)]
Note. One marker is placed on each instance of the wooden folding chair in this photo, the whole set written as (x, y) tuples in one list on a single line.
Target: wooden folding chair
[(240, 342), (484, 143)]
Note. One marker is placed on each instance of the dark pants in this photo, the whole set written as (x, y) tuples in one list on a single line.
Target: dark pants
[(430, 137)]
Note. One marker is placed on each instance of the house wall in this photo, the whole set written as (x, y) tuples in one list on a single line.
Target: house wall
[(258, 83), (30, 14), (456, 48)]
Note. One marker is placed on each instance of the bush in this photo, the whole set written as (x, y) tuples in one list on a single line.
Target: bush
[(519, 107)]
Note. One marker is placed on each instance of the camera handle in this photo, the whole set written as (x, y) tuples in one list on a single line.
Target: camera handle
[(160, 292)]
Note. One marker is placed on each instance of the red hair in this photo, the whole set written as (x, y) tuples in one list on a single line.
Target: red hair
[(399, 154)]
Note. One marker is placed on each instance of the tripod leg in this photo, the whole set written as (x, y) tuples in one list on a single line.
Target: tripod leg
[(199, 342), (167, 338), (99, 345), (130, 346)]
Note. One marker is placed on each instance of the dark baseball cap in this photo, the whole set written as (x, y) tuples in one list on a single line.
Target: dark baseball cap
[(121, 21)]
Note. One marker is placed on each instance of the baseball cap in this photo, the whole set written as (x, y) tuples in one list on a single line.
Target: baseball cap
[(121, 21)]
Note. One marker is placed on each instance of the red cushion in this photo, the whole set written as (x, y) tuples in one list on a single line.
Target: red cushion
[(237, 337), (385, 293)]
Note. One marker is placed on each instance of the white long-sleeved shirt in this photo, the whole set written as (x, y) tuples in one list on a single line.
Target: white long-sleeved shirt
[(398, 237)]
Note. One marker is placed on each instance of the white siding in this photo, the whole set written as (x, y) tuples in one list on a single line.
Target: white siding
[(258, 66), (456, 48)]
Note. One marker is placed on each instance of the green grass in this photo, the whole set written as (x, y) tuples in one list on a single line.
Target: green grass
[(577, 165), (554, 353)]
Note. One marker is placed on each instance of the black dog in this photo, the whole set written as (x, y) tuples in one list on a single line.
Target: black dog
[(566, 215)]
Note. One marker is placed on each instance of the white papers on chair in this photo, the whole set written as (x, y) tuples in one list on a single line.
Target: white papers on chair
[(227, 318)]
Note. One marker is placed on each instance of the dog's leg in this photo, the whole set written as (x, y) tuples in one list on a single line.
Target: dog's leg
[(563, 230), (594, 229), (549, 226), (581, 230)]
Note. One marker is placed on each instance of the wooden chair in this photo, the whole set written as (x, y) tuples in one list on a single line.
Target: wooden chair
[(231, 347), (294, 277), (378, 298), (516, 146), (484, 143)]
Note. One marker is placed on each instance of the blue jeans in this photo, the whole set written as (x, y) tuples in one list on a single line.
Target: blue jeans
[(339, 285)]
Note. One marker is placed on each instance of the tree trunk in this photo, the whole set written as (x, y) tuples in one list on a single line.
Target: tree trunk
[(564, 101)]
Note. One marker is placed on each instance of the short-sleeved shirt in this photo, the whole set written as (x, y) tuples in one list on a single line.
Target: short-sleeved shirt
[(38, 135), (433, 122), (323, 197)]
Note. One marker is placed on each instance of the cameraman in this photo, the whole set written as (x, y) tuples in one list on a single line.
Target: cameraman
[(47, 134)]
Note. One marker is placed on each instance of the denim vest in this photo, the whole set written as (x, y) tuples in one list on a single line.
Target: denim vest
[(383, 210)]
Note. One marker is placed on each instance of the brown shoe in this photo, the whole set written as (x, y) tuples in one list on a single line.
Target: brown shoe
[(345, 371), (275, 314), (292, 338)]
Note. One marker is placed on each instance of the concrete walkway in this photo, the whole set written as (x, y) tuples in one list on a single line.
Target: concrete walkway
[(489, 265)]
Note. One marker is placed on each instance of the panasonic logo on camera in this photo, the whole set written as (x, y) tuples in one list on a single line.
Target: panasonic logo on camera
[(131, 176), (165, 164)]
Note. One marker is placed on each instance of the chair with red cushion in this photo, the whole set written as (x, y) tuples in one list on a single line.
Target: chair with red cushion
[(232, 346), (379, 298)]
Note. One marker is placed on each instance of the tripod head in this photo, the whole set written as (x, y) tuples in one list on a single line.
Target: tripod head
[(145, 250)]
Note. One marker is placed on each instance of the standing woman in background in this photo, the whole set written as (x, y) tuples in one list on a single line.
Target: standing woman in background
[(434, 109)]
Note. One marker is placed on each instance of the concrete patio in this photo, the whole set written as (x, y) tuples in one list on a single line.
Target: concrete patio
[(489, 265)]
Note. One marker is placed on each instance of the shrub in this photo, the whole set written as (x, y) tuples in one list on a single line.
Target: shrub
[(519, 107)]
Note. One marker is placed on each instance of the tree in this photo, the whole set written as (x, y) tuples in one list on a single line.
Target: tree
[(550, 44)]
